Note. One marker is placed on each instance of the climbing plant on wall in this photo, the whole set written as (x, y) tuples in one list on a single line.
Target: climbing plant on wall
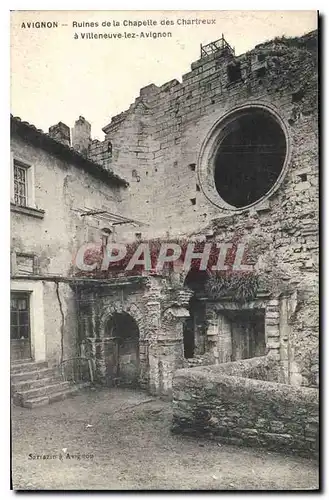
[(240, 286)]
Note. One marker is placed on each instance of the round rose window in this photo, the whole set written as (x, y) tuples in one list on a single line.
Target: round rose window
[(243, 159)]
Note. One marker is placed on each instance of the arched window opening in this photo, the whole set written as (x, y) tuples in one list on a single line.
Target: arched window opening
[(196, 280)]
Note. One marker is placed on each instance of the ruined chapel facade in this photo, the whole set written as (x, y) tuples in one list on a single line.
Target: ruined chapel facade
[(230, 153)]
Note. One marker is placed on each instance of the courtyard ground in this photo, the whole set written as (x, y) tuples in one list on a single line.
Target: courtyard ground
[(120, 440)]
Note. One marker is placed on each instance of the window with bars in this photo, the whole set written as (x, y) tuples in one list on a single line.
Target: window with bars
[(19, 315), (20, 184)]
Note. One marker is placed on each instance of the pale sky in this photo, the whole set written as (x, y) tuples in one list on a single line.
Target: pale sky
[(55, 77)]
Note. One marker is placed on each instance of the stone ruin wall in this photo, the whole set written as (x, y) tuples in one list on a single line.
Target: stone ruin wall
[(159, 312), (156, 144), (241, 403)]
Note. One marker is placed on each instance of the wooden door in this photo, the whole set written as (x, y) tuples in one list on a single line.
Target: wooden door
[(20, 334), (128, 361)]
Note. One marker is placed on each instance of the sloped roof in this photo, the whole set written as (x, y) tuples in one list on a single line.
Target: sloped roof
[(41, 139)]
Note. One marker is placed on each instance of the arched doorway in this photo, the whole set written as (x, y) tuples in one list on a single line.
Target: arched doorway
[(123, 358)]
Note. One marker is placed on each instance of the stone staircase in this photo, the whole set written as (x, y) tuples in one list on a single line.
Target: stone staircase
[(35, 384), (191, 362)]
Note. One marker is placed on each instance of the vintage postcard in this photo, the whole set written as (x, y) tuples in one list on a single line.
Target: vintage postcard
[(164, 250)]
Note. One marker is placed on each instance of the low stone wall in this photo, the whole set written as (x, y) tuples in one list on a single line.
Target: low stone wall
[(260, 368), (214, 402)]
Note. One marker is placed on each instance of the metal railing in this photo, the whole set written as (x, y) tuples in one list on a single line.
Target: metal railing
[(217, 45), (78, 369)]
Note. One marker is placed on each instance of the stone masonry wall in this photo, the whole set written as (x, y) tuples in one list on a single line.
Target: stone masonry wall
[(156, 146), (157, 141), (244, 411)]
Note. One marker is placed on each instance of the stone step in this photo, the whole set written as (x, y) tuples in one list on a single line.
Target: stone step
[(25, 385), (45, 390), (27, 366), (55, 396), (32, 375)]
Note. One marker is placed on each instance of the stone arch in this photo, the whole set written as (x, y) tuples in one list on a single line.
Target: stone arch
[(119, 307), (194, 279), (184, 275), (125, 350)]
